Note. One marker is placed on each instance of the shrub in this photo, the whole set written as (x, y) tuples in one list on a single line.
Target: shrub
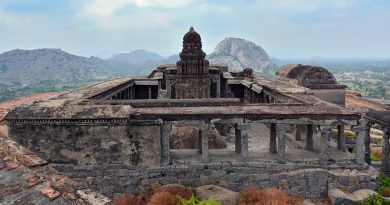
[(250, 196), (374, 199), (254, 196), (385, 191), (163, 198), (384, 181), (126, 199)]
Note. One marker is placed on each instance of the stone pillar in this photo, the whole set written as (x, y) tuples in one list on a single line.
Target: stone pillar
[(149, 92), (243, 129), (281, 134), (298, 132), (367, 142), (205, 142), (324, 149), (165, 155), (309, 137), (386, 150), (237, 141), (272, 140), (218, 94), (341, 138), (359, 145)]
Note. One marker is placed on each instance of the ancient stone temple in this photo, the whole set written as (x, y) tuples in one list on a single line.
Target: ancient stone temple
[(192, 79), (278, 133)]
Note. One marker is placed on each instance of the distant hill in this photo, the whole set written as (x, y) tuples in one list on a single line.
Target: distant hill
[(135, 62), (239, 53), (28, 71), (136, 57), (25, 72), (236, 53)]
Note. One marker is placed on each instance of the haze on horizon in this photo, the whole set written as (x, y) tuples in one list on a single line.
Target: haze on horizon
[(285, 29)]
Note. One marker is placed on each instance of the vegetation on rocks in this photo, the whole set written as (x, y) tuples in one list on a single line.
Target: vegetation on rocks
[(175, 194), (374, 199)]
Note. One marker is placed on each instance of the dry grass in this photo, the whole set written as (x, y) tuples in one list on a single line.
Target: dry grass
[(163, 198), (254, 196), (155, 195), (385, 191), (126, 199)]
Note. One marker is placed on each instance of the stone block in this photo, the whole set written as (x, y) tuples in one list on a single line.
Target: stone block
[(371, 185), (332, 186), (264, 184), (343, 180), (204, 180), (223, 183), (283, 184), (353, 180)]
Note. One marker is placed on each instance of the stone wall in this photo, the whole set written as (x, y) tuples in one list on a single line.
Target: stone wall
[(92, 144), (336, 96), (309, 181)]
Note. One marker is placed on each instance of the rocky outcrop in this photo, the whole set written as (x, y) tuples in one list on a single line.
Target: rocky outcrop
[(336, 196), (187, 137), (217, 193), (238, 54)]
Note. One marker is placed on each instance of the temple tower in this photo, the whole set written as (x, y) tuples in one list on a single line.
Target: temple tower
[(193, 80)]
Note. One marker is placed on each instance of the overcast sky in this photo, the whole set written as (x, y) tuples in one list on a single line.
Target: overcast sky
[(297, 28)]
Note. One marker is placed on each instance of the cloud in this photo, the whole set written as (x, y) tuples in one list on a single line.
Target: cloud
[(162, 3)]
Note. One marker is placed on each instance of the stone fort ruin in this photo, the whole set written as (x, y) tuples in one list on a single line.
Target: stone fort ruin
[(114, 136)]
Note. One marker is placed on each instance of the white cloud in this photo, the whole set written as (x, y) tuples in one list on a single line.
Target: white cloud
[(104, 7), (162, 3), (301, 6)]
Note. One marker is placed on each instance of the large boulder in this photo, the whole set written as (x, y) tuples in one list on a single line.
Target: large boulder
[(187, 137), (217, 193), (337, 197)]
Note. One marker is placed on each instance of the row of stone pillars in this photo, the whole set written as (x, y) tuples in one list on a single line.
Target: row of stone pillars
[(241, 141), (277, 142), (278, 131), (363, 141)]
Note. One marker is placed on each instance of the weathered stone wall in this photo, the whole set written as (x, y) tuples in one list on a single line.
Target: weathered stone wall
[(299, 180), (336, 96), (92, 144)]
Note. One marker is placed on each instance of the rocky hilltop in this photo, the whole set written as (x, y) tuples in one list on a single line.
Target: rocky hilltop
[(25, 67), (43, 70), (24, 72), (239, 53), (136, 57)]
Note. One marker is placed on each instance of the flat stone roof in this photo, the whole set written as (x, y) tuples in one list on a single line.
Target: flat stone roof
[(75, 105), (281, 86)]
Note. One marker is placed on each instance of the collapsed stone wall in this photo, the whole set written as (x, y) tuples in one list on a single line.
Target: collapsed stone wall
[(309, 181), (92, 144)]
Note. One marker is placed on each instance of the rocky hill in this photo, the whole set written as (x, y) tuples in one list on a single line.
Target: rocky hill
[(139, 62), (25, 67), (136, 57), (239, 53), (24, 72), (27, 71)]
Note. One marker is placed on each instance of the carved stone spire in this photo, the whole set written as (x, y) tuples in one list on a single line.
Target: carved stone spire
[(192, 56)]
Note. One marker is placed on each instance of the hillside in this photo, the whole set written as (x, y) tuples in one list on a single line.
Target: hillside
[(29, 71), (136, 57), (24, 72), (239, 53)]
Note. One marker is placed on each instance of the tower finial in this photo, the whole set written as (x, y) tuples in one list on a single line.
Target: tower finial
[(192, 28)]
